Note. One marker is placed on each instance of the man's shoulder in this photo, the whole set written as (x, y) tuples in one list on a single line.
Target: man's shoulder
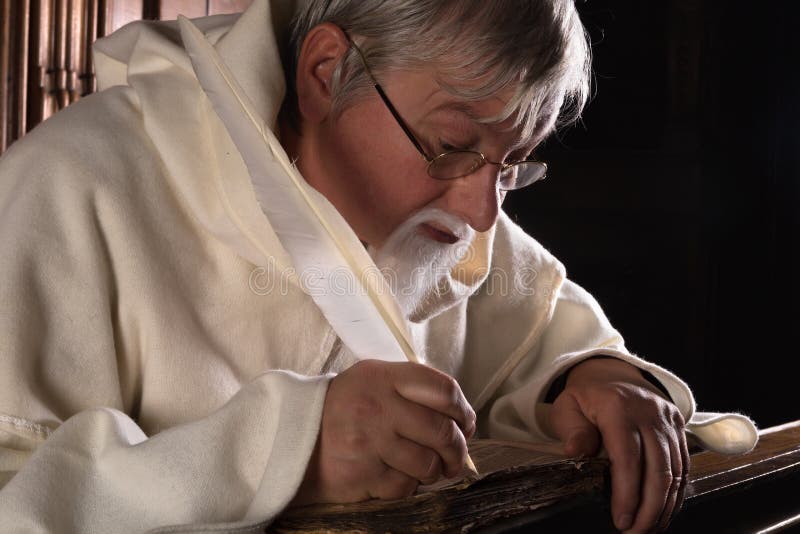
[(94, 143), (99, 126)]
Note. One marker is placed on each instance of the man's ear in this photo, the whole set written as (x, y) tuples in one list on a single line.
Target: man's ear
[(323, 48)]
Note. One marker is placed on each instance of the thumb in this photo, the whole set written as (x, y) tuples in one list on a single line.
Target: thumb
[(579, 435)]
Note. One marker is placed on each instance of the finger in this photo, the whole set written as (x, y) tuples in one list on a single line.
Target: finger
[(431, 430), (657, 480), (412, 459), (579, 435), (685, 463), (392, 484), (624, 446), (436, 390), (676, 462)]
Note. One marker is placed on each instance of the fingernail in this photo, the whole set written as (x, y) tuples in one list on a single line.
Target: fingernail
[(624, 522)]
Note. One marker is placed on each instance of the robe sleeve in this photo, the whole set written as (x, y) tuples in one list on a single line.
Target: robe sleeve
[(99, 472), (526, 339), (577, 330), (72, 457)]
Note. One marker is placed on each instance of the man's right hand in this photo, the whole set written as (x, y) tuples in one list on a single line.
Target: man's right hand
[(386, 427)]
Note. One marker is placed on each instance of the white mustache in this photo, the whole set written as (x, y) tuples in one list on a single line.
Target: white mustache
[(414, 264), (454, 224)]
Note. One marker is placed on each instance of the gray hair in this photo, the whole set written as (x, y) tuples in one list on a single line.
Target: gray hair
[(537, 46)]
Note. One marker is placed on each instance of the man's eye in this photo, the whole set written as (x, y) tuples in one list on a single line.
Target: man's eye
[(450, 147)]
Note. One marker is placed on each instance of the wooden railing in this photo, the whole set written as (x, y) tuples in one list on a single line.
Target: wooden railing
[(46, 60), (45, 50)]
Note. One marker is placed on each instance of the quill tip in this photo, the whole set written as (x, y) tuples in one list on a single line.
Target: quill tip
[(471, 465)]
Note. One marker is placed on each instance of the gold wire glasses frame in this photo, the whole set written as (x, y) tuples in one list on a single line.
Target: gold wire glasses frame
[(458, 163)]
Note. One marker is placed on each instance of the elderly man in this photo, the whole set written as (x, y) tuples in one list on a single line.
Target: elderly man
[(166, 358)]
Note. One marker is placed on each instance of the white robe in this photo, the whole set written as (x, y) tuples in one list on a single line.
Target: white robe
[(158, 367)]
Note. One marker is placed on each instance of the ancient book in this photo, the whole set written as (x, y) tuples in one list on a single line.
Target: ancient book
[(529, 482), (514, 478)]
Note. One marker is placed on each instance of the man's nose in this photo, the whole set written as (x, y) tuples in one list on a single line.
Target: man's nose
[(476, 198)]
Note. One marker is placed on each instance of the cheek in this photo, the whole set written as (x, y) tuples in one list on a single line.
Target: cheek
[(398, 187), (388, 178), (403, 187)]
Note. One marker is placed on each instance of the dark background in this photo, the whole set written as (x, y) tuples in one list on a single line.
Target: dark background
[(675, 202)]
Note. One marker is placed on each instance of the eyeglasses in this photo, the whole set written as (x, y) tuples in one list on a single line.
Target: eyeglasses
[(458, 163)]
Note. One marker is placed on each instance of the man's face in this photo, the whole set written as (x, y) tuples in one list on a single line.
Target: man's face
[(367, 167)]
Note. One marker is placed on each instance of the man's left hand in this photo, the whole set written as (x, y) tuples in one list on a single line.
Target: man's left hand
[(608, 401)]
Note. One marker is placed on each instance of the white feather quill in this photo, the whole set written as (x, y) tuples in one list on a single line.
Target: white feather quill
[(333, 265), (320, 242)]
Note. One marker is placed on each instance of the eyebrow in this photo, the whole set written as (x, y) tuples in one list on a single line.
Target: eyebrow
[(469, 112), (461, 107)]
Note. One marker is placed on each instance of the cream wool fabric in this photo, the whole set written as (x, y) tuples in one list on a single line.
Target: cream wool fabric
[(160, 366)]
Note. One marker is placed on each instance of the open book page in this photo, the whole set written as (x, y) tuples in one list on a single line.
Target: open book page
[(493, 455)]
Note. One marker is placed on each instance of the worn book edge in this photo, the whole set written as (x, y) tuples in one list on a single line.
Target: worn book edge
[(514, 477)]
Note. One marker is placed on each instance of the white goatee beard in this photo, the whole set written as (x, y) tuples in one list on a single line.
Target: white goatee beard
[(414, 264)]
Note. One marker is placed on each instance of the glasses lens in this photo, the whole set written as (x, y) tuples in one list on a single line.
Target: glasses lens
[(455, 164), (464, 162), (522, 175)]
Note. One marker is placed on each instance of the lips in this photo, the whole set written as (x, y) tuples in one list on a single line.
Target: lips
[(438, 234)]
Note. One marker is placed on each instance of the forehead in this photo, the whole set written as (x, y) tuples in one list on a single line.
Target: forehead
[(449, 94), (440, 99)]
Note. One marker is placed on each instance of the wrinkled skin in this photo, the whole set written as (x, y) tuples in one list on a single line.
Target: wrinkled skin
[(386, 427), (608, 402)]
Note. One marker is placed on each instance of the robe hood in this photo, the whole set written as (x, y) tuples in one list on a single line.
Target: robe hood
[(251, 43), (147, 61)]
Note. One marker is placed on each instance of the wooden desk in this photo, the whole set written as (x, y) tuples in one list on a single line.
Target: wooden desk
[(754, 492)]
